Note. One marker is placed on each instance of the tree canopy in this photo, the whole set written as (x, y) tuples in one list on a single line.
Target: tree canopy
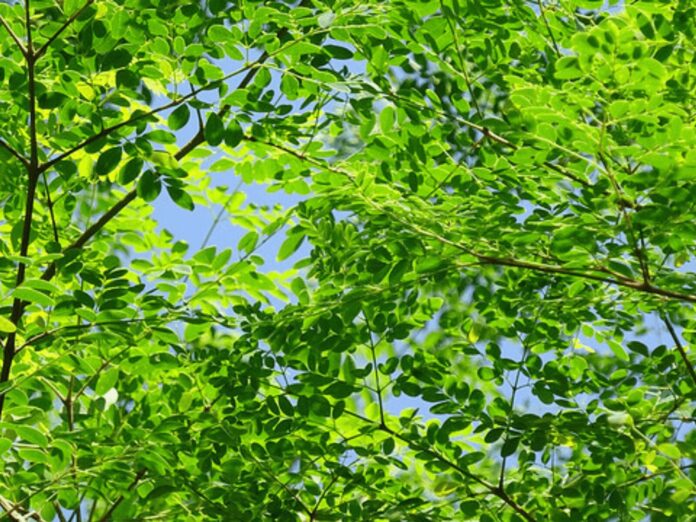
[(481, 308)]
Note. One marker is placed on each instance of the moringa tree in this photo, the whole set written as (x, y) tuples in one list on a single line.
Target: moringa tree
[(481, 309)]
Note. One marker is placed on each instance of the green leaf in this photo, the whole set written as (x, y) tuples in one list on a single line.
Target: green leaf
[(180, 197), (40, 284), (33, 296), (339, 390), (130, 171), (290, 245), (149, 186), (670, 450), (248, 242), (108, 161), (289, 85), (618, 350), (326, 19), (107, 380), (179, 117), (233, 134), (6, 325), (386, 119), (568, 68), (338, 52), (214, 130), (31, 435)]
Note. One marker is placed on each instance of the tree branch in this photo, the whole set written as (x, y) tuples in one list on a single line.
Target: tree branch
[(13, 512), (680, 347), (117, 502), (33, 178), (49, 204), (12, 151), (130, 196), (67, 23), (592, 275), (194, 142), (494, 490), (14, 36)]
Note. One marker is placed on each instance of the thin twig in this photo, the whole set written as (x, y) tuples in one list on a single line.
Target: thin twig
[(542, 12), (14, 36), (12, 151), (49, 204), (462, 63), (67, 23), (680, 347), (592, 273), (376, 370), (117, 502)]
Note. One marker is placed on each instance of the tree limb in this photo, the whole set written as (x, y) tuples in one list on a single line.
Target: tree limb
[(12, 151), (67, 23), (117, 502), (680, 347), (14, 36)]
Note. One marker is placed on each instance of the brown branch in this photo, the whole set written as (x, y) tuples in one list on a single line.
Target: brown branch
[(15, 513), (67, 23), (494, 490), (193, 143), (593, 273), (14, 36), (117, 502), (49, 204), (680, 347), (33, 178), (12, 151)]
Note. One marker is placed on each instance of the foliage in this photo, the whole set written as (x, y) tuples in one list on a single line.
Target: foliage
[(481, 308)]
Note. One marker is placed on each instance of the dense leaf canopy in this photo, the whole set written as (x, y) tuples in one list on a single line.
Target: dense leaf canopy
[(480, 309)]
